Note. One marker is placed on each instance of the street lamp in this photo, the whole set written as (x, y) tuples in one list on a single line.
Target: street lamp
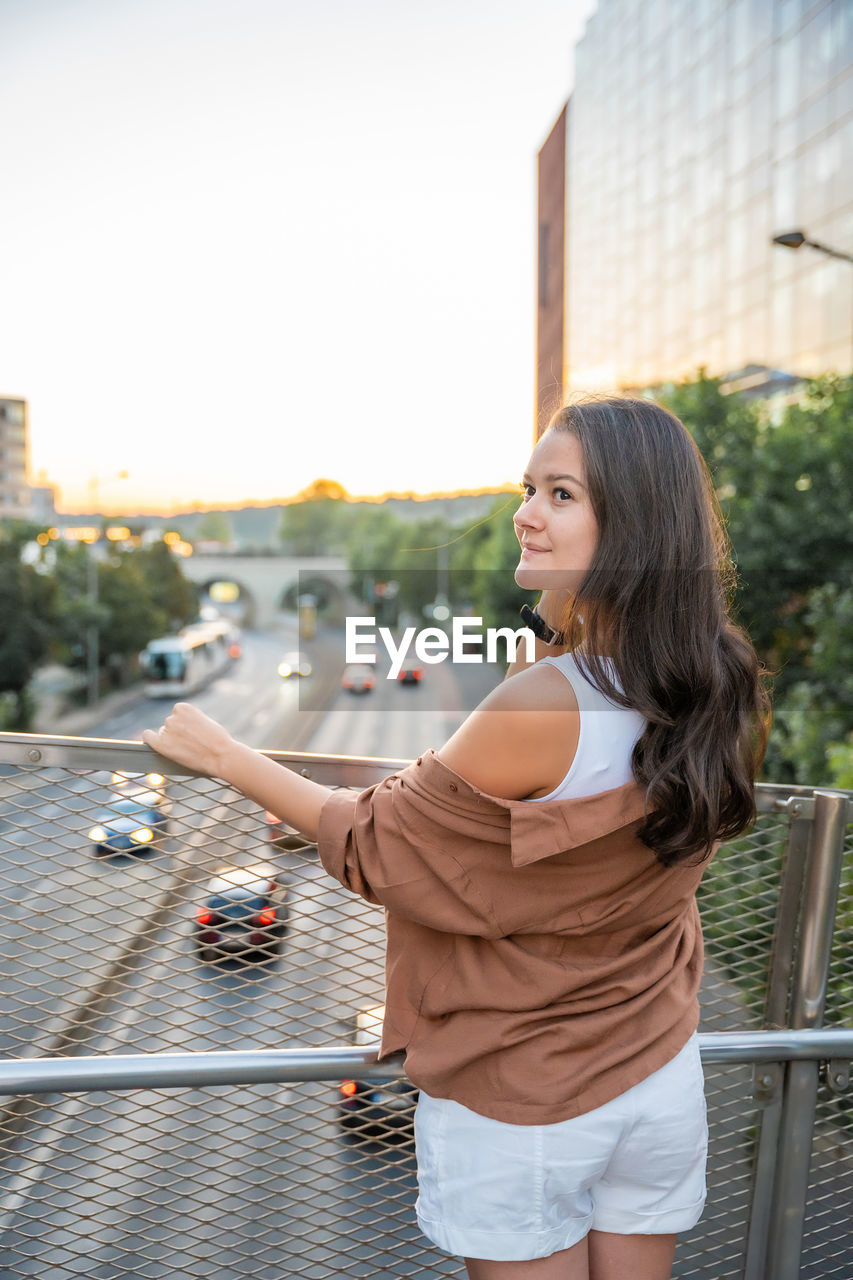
[(794, 239), (92, 637)]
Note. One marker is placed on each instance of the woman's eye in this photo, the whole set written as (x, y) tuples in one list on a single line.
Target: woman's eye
[(562, 494), (527, 490)]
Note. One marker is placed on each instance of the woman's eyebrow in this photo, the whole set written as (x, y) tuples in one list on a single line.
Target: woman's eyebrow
[(554, 479)]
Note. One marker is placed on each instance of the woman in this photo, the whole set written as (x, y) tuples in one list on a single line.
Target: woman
[(539, 871)]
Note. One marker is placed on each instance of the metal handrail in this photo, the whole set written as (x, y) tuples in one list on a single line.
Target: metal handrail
[(29, 750), (339, 1062), (57, 751), (797, 1054)]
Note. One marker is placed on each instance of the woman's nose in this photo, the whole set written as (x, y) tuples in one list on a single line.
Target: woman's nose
[(527, 515)]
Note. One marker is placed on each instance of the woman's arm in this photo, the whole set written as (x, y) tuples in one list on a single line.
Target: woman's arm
[(193, 739), (520, 741)]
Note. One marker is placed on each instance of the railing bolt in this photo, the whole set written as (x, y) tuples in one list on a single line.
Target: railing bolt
[(766, 1080), (306, 773), (839, 1078), (34, 754)]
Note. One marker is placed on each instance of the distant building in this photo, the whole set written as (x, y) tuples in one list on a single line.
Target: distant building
[(550, 298), (14, 438), (43, 504), (695, 133)]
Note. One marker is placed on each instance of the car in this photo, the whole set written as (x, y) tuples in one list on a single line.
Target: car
[(285, 837), (244, 915), (132, 824), (358, 678), (294, 664), (411, 672), (376, 1109), (123, 781)]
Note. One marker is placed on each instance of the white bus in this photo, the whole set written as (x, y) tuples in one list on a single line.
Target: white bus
[(176, 666)]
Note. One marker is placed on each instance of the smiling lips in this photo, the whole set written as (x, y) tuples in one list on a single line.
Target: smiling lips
[(536, 550)]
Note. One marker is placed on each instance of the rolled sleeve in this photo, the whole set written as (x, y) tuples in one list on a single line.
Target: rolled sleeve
[(376, 845), (336, 844)]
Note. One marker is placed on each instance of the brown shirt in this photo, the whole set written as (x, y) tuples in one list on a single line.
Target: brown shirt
[(539, 959)]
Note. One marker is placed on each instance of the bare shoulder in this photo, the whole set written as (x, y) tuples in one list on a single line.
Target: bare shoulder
[(521, 740)]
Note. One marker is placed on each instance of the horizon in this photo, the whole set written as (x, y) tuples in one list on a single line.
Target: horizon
[(316, 240), (250, 505)]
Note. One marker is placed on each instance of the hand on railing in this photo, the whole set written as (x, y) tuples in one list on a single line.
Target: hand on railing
[(204, 746), (193, 739)]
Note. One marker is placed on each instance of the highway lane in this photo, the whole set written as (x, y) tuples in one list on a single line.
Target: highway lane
[(260, 1180), (325, 1205), (66, 915), (251, 698)]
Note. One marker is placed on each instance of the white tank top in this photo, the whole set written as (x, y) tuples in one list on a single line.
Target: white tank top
[(608, 733)]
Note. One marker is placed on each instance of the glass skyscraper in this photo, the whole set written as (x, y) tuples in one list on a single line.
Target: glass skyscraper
[(697, 130)]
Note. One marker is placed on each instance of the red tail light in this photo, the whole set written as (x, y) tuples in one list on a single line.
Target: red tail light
[(266, 917), (203, 916), (348, 1088)]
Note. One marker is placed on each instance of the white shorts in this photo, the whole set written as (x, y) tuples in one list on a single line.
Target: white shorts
[(508, 1192)]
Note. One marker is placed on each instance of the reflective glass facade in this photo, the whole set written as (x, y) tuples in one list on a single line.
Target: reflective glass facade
[(699, 129)]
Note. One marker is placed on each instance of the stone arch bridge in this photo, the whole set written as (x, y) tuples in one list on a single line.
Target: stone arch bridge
[(269, 585)]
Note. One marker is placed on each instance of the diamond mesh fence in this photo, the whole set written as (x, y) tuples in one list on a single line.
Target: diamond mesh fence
[(141, 914), (828, 1253)]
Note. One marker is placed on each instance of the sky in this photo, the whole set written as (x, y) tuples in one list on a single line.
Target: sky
[(248, 243)]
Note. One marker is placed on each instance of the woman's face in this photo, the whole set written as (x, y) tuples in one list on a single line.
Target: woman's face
[(555, 524)]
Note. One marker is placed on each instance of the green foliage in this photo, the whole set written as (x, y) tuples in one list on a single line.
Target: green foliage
[(816, 712), (16, 711), (488, 556), (473, 564), (839, 759), (27, 610), (171, 593), (27, 602), (141, 593), (727, 429), (784, 488), (215, 526), (319, 523), (76, 610), (792, 528)]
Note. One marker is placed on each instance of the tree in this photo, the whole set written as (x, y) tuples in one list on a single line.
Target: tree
[(215, 526), (729, 431), (316, 522), (792, 527), (171, 593), (485, 560), (784, 491), (141, 594), (27, 602)]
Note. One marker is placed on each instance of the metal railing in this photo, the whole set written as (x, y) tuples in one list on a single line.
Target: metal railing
[(123, 1154)]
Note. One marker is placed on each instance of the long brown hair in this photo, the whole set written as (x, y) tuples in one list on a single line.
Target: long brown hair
[(656, 600)]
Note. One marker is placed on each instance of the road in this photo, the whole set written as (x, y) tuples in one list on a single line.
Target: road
[(214, 1183), (260, 1180)]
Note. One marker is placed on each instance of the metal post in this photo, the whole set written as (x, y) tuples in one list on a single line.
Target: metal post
[(769, 1076), (441, 575), (808, 996)]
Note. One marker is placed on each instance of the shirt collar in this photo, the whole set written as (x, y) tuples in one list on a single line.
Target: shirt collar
[(536, 829)]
